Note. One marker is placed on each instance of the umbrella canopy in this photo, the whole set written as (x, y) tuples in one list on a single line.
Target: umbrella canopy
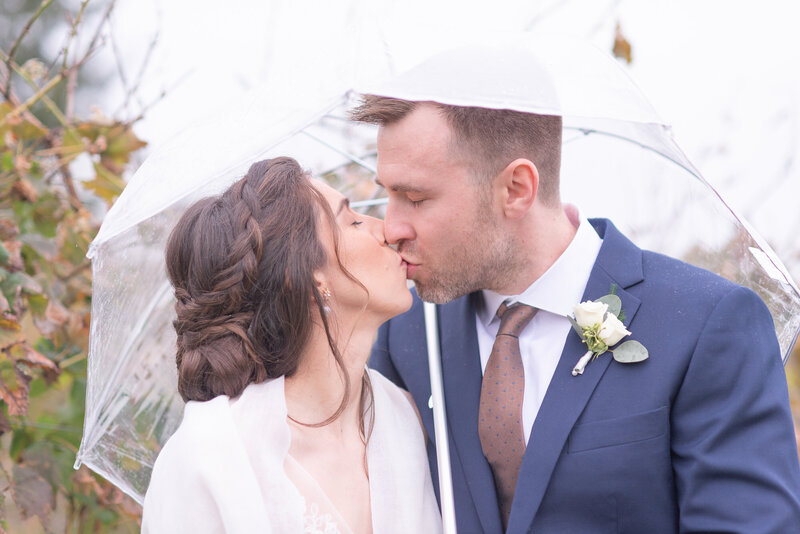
[(619, 160)]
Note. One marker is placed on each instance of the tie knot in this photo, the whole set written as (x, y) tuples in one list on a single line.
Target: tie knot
[(514, 318)]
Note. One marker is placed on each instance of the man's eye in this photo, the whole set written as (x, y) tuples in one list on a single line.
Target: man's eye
[(357, 223), (416, 203)]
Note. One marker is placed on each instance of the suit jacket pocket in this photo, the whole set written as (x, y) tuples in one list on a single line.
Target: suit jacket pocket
[(611, 432)]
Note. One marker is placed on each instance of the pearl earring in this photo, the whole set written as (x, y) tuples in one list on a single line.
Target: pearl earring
[(326, 296)]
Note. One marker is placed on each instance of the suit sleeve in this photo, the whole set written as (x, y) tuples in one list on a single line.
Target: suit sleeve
[(380, 358), (735, 457)]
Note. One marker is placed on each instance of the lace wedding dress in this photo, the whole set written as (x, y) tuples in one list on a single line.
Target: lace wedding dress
[(227, 469)]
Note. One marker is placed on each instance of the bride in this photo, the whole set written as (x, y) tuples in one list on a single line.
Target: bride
[(280, 289)]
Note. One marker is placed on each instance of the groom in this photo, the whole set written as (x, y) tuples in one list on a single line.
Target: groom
[(697, 438)]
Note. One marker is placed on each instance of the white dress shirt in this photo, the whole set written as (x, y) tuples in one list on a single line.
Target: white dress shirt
[(542, 341)]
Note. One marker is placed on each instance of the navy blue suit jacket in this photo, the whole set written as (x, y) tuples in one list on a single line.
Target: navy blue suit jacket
[(698, 438)]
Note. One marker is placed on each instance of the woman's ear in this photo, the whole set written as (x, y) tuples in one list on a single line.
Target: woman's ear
[(520, 184), (321, 282)]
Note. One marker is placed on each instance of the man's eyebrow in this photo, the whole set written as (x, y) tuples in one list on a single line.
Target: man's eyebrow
[(342, 205), (401, 188)]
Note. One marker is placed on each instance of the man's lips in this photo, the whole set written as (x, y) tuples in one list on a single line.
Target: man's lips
[(410, 267)]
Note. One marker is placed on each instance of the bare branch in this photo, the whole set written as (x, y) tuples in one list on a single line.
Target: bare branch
[(72, 82), (69, 183), (47, 101), (118, 61), (143, 68), (97, 32), (164, 92), (14, 101), (73, 31), (55, 80), (44, 5), (131, 91)]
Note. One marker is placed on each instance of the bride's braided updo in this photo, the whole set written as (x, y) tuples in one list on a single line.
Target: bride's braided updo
[(242, 267)]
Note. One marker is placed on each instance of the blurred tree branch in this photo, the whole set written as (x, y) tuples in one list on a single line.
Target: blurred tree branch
[(46, 225), (45, 4)]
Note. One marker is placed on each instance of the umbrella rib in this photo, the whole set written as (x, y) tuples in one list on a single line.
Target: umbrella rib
[(354, 159), (95, 244)]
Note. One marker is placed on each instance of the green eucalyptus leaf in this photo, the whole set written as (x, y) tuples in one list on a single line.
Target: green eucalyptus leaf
[(575, 326), (614, 304), (630, 352)]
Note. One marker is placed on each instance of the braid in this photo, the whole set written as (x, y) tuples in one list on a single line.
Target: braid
[(242, 267)]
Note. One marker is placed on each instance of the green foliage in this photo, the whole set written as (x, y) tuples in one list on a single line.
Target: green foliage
[(45, 301)]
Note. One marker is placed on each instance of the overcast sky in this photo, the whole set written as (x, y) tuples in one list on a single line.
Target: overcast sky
[(723, 73)]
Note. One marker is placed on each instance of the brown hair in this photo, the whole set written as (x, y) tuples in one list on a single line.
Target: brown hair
[(489, 138), (242, 266)]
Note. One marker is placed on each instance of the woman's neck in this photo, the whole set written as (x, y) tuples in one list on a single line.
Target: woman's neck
[(314, 392)]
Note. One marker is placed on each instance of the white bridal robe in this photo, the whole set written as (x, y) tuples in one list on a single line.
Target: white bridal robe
[(227, 469)]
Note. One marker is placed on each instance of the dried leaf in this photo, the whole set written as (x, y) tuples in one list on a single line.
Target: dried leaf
[(11, 331), (14, 388), (6, 323), (21, 128), (35, 69), (56, 313), (36, 360), (38, 305), (8, 229), (10, 140), (5, 425), (17, 283), (622, 47), (33, 495), (22, 164), (106, 184), (11, 255)]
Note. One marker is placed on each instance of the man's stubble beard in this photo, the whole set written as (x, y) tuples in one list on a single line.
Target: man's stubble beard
[(487, 259)]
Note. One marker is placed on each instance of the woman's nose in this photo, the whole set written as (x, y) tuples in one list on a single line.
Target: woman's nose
[(376, 226)]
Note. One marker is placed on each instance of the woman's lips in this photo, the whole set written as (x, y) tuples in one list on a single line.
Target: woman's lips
[(411, 268)]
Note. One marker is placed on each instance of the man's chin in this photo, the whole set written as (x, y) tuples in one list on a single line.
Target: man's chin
[(436, 294)]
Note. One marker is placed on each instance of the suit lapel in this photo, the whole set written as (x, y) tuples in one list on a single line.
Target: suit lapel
[(618, 263), (461, 369)]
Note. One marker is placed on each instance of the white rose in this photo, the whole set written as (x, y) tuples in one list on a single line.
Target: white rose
[(612, 330), (589, 313)]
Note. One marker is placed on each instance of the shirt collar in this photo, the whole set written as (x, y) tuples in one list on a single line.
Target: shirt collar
[(562, 285)]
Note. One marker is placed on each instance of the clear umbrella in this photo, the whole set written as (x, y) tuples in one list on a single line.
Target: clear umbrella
[(620, 161)]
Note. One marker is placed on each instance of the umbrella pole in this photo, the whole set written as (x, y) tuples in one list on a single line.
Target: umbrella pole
[(440, 421)]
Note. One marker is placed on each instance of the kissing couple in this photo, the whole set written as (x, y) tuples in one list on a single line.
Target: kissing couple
[(301, 354)]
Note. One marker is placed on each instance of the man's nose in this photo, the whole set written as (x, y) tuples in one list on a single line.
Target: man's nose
[(395, 227)]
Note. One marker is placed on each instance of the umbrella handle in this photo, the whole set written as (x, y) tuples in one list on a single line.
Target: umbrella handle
[(440, 421)]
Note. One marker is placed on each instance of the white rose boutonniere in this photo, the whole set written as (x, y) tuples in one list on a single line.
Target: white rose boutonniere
[(599, 323)]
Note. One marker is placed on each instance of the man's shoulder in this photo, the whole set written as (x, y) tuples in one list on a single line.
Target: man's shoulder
[(665, 275), (668, 273)]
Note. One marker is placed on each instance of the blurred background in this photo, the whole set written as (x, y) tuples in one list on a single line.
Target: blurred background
[(89, 88)]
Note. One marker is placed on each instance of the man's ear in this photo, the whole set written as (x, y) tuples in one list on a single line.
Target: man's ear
[(520, 184)]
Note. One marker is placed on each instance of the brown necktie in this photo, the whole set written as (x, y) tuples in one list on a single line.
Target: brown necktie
[(500, 412)]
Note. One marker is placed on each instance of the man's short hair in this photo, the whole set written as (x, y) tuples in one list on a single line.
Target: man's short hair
[(489, 139)]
